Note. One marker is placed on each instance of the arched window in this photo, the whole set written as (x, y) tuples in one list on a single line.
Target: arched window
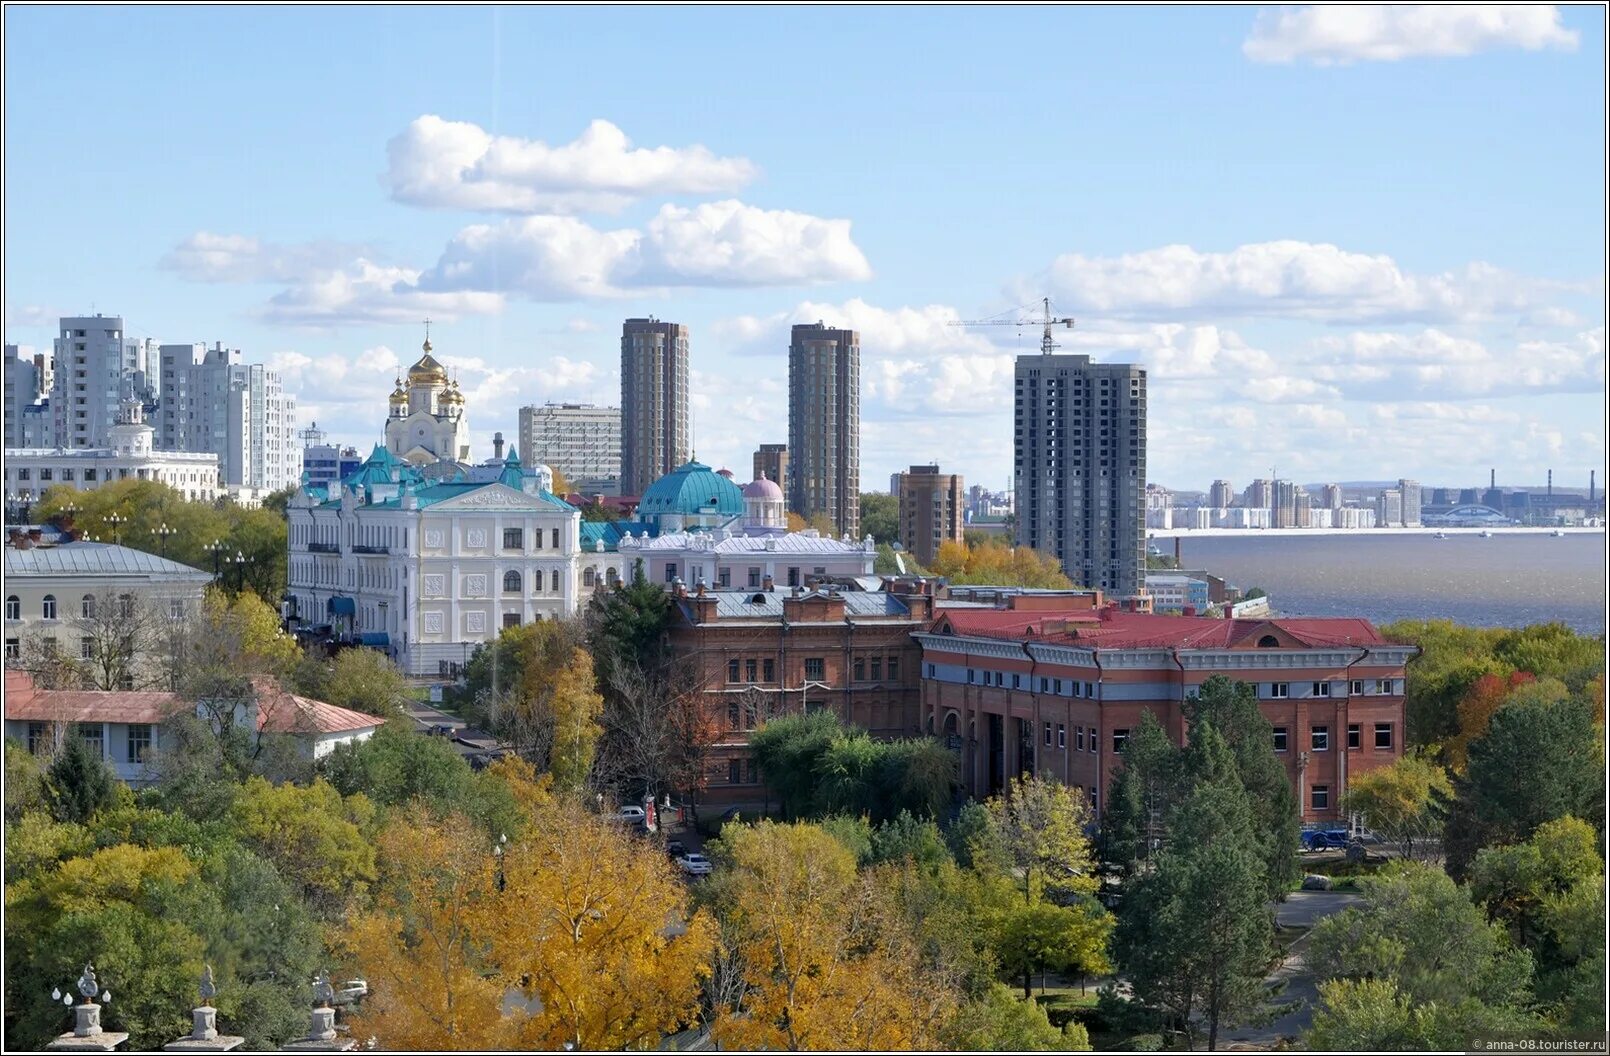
[(511, 582), (588, 577), (49, 609), (87, 607), (555, 579), (1268, 641), (13, 608), (612, 577)]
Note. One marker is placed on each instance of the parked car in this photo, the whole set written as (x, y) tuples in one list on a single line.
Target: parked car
[(630, 814), (351, 991), (675, 849), (695, 864)]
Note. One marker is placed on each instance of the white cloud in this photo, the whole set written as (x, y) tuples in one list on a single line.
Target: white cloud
[(1392, 365), (727, 244), (1337, 34), (210, 257), (366, 292), (457, 164), (1288, 278)]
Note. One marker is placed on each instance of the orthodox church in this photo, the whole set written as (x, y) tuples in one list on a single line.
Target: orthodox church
[(426, 423)]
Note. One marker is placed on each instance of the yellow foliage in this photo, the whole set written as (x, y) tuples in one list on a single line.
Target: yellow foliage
[(312, 834), (997, 564), (577, 706), (825, 966)]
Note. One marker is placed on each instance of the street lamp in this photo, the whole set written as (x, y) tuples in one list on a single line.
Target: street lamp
[(163, 533), (216, 548), (240, 571), (117, 520), (70, 511), (497, 853)]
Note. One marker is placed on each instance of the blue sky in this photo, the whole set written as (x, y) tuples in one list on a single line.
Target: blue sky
[(1353, 245)]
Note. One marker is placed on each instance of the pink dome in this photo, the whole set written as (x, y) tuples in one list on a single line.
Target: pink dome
[(763, 489), (724, 472)]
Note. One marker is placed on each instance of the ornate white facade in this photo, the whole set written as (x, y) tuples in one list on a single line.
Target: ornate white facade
[(30, 472)]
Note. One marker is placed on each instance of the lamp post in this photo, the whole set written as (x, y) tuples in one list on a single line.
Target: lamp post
[(163, 533), (497, 853), (70, 511), (117, 521), (216, 549), (240, 571)]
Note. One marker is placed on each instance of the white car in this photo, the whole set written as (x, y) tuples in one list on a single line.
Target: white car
[(695, 864), (351, 991), (630, 814)]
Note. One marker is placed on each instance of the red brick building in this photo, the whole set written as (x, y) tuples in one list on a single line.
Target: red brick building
[(761, 653), (1054, 684)]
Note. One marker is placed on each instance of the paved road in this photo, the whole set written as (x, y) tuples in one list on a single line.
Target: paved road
[(1303, 909)]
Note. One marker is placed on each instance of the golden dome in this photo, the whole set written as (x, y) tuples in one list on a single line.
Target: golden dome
[(452, 395), (398, 396), (428, 369)]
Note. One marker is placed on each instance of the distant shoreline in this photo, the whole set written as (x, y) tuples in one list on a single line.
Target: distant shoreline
[(1227, 533)]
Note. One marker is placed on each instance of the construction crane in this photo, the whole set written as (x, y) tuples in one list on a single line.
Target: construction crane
[(1047, 346)]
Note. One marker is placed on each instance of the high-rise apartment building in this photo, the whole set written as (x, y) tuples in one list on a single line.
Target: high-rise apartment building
[(932, 510), (771, 460), (1260, 495), (1389, 509), (1410, 490), (824, 425), (578, 440), (1080, 467), (94, 370), (1284, 508), (212, 401), (1330, 496), (27, 398), (1221, 494), (654, 401)]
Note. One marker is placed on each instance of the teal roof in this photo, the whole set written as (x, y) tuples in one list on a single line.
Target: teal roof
[(691, 490), (611, 532)]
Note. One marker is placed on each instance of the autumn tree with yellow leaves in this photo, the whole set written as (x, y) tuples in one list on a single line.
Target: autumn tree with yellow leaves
[(566, 932), (823, 965)]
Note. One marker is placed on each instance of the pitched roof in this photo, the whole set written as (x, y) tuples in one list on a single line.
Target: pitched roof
[(84, 558), (279, 711), (768, 605), (1115, 629), (27, 703)]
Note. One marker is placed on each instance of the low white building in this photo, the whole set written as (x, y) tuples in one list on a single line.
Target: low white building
[(30, 472), (427, 570), (54, 593)]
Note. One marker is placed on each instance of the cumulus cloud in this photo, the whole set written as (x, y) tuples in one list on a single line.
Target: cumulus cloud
[(365, 292), (1397, 365), (207, 256), (728, 243), (1336, 34), (457, 164), (1289, 278)]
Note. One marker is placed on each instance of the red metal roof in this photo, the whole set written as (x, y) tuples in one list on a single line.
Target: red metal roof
[(1144, 630), (27, 703), (282, 712)]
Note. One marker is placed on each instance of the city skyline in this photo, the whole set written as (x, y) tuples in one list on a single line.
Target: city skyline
[(1343, 310)]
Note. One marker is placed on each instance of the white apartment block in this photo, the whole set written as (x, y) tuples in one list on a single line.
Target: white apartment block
[(211, 401), (31, 471), (94, 370), (28, 379), (579, 440)]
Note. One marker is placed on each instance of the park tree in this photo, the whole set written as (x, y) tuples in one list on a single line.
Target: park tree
[(1194, 935), (1043, 936), (398, 766), (999, 1022), (821, 966), (787, 749), (1404, 803), (1143, 792), (656, 730), (363, 680), (315, 837), (880, 516), (1525, 886), (24, 781), (1534, 764), (1038, 824), (576, 706), (1475, 710), (79, 783), (996, 563)]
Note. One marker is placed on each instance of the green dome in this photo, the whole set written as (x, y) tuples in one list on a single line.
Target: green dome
[(692, 490)]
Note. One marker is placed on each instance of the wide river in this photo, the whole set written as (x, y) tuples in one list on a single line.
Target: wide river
[(1503, 581)]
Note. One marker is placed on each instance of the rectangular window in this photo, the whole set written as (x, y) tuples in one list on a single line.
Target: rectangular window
[(732, 714), (38, 738), (86, 648), (732, 670), (751, 775), (176, 608), (860, 670), (969, 676), (1356, 687), (1090, 690), (514, 539), (1048, 735), (1383, 735), (1321, 689), (768, 670), (1062, 736), (1119, 739), (734, 771), (670, 571), (93, 734), (877, 670), (1017, 680), (555, 538), (1319, 738), (1078, 689), (1383, 685), (750, 667), (1353, 738), (894, 669), (1079, 738), (139, 741), (1279, 690), (1280, 738), (1319, 796), (1057, 683), (725, 578), (754, 577), (815, 669), (13, 649), (1095, 740)]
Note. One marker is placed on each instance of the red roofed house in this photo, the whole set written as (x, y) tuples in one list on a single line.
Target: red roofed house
[(1054, 685), (126, 727)]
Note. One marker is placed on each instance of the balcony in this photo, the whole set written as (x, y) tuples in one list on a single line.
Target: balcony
[(323, 548), (359, 548)]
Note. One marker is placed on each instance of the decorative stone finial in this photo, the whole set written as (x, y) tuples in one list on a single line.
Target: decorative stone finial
[(87, 984), (323, 992), (209, 989)]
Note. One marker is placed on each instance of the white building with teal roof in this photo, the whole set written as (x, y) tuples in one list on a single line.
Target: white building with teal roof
[(427, 569)]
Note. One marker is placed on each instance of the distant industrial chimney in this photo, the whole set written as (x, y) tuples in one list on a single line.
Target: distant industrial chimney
[(1551, 483), (1492, 480), (497, 447)]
